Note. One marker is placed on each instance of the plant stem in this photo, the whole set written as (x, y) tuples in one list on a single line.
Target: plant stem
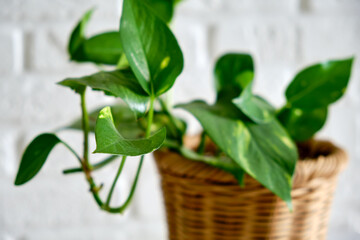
[(132, 191), (95, 166), (171, 118), (150, 118), (85, 163), (85, 126), (115, 181), (95, 191), (133, 187), (73, 151), (201, 147)]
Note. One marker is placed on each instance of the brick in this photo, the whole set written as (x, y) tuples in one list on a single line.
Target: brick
[(268, 39), (12, 92), (262, 6), (271, 82), (194, 85), (198, 6), (7, 50), (8, 149), (42, 101), (46, 47), (192, 36), (325, 37), (39, 11), (8, 10), (46, 51), (331, 7)]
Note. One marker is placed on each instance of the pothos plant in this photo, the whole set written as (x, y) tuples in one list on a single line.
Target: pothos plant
[(252, 136)]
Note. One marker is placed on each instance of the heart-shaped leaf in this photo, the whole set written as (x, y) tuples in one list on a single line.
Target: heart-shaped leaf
[(125, 122), (150, 47), (319, 85), (77, 37), (109, 140), (254, 107), (233, 72), (104, 48), (119, 83), (302, 124), (35, 156), (264, 151)]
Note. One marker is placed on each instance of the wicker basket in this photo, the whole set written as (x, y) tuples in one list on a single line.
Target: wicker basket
[(206, 203)]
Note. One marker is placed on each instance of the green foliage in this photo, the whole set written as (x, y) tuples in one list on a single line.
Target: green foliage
[(109, 140), (302, 124), (254, 107), (319, 85), (164, 9), (119, 83), (147, 59), (150, 47), (223, 162), (124, 120), (131, 128), (35, 156), (264, 151), (233, 72), (310, 94), (77, 37), (104, 48)]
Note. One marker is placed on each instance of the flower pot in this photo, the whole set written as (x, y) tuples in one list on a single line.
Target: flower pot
[(206, 203)]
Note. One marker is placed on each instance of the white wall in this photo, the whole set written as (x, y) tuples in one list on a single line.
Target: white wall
[(283, 35)]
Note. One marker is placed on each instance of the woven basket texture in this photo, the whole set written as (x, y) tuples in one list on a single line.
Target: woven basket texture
[(206, 203)]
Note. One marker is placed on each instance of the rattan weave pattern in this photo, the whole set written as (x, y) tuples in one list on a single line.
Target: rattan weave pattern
[(206, 203)]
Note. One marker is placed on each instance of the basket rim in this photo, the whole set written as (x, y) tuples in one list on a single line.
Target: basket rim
[(307, 169)]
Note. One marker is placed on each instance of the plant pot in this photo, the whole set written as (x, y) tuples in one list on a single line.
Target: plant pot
[(206, 203)]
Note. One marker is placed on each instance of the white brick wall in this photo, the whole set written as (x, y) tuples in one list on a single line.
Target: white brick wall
[(283, 36)]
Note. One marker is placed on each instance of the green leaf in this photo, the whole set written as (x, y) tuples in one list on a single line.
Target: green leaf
[(161, 120), (223, 162), (319, 85), (77, 37), (254, 107), (264, 151), (104, 48), (109, 140), (119, 83), (164, 9), (302, 124), (35, 156), (150, 47), (124, 121), (233, 72)]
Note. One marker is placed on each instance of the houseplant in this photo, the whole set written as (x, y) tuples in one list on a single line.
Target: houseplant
[(250, 136)]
